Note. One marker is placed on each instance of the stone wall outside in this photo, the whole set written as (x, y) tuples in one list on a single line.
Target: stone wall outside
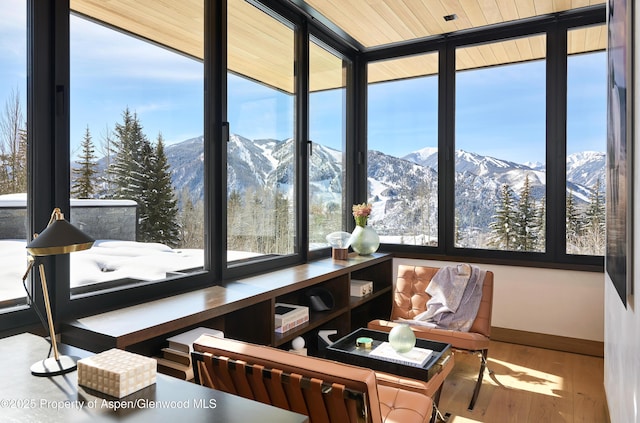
[(100, 222)]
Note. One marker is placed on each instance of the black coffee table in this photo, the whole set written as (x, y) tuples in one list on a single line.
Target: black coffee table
[(346, 351)]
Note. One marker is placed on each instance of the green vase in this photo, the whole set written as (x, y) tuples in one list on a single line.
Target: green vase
[(364, 240)]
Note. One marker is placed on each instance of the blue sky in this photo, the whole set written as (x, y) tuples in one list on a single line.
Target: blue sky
[(13, 45), (499, 111), (110, 71)]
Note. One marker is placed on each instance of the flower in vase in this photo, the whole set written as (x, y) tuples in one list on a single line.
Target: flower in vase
[(361, 213)]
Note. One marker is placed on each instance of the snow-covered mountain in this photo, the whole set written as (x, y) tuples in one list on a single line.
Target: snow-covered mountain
[(402, 189), (587, 168), (187, 166), (584, 169), (486, 167)]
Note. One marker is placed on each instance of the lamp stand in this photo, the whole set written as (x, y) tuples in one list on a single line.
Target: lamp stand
[(59, 237), (58, 364)]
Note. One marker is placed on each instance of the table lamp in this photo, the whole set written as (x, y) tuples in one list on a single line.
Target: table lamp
[(59, 237), (339, 242)]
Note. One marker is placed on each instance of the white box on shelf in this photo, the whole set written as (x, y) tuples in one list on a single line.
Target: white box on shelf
[(288, 326), (117, 372), (360, 288), (288, 316)]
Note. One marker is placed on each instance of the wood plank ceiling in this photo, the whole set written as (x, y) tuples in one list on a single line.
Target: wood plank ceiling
[(261, 48), (380, 22)]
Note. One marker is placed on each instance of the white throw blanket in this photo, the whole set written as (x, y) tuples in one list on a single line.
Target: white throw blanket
[(456, 292)]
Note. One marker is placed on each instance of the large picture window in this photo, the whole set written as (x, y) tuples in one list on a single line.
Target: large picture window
[(402, 174), (500, 138), (136, 141), (261, 159), (586, 141), (327, 130)]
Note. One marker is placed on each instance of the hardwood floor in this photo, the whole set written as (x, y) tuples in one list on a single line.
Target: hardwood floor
[(527, 385)]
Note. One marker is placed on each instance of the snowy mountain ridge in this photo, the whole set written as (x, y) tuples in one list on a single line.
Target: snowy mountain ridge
[(394, 182)]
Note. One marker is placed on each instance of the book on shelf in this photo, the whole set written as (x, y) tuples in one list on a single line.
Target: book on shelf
[(184, 341), (176, 355), (415, 357), (177, 370)]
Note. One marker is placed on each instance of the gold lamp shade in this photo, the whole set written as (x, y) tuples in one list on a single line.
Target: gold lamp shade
[(59, 237)]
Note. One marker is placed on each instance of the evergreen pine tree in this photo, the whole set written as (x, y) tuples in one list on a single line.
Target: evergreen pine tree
[(526, 230), (572, 216), (129, 169), (127, 166), (159, 220), (502, 228), (84, 180), (144, 200)]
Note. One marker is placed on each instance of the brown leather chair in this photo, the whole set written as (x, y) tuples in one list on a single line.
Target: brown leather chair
[(410, 299), (324, 390)]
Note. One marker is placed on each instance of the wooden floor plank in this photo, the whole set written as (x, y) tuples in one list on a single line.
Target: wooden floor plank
[(528, 384), (550, 402), (589, 400)]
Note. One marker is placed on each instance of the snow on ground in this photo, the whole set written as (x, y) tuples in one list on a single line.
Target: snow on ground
[(107, 260), (407, 239), (13, 264), (113, 260)]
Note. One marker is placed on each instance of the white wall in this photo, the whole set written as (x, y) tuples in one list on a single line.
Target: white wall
[(555, 302), (622, 325), (622, 353)]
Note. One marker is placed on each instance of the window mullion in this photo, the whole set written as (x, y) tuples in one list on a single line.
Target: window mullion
[(556, 140)]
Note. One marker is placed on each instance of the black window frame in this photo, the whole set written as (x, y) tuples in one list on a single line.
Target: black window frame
[(555, 28), (323, 41)]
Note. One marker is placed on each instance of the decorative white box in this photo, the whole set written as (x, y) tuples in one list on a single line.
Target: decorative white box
[(288, 316), (360, 288), (117, 372)]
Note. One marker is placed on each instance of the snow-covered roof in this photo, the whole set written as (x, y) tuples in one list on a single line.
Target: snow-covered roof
[(20, 200)]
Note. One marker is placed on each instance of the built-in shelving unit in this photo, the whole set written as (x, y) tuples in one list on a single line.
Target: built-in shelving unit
[(244, 309)]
